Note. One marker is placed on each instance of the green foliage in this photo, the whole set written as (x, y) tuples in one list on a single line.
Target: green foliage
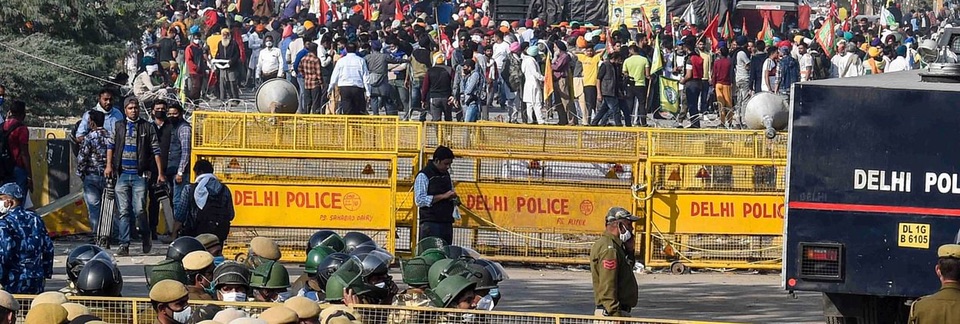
[(89, 36)]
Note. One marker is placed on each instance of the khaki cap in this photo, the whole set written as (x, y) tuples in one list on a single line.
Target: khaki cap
[(75, 310), (227, 315), (208, 240), (7, 301), (167, 291), (304, 307), (247, 320), (47, 314), (197, 260), (50, 297), (341, 320), (327, 315), (265, 248), (949, 251), (279, 315)]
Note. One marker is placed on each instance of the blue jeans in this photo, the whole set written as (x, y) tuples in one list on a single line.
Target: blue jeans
[(471, 112), (131, 199), (693, 91), (92, 195), (384, 101), (609, 108), (176, 192), (415, 102)]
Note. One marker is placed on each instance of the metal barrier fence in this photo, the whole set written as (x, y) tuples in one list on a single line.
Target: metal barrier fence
[(709, 198), (140, 311), (292, 173)]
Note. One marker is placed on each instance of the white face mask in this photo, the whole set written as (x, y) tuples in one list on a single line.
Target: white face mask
[(183, 316), (234, 296), (485, 303), (5, 207), (196, 41), (269, 44), (625, 235), (381, 285)]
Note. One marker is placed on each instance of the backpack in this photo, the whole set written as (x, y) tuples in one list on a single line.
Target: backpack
[(821, 67), (7, 162), (215, 211), (514, 73)]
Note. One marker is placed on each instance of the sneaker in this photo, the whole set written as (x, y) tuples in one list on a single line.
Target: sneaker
[(124, 250), (147, 244)]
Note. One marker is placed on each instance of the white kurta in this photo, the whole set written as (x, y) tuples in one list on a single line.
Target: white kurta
[(532, 80)]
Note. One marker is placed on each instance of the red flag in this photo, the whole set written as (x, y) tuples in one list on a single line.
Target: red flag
[(366, 10), (833, 10), (398, 15), (854, 8), (711, 32), (333, 12), (323, 12)]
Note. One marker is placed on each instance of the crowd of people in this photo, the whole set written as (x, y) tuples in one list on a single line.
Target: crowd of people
[(453, 61), (340, 272)]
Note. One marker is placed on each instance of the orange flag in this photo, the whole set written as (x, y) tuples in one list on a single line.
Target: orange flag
[(547, 80)]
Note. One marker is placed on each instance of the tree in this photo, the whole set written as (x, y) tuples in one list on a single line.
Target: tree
[(86, 36)]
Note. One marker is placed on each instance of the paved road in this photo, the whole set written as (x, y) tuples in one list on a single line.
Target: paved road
[(732, 297)]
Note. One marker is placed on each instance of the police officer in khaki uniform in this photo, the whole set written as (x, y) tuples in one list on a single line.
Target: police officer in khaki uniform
[(611, 266), (167, 298), (943, 306), (9, 307), (307, 310), (279, 315), (199, 268), (47, 314)]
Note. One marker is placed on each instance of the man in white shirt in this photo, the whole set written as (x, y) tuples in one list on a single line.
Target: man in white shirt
[(769, 82), (849, 64), (837, 59), (898, 63), (349, 76), (806, 62), (269, 62)]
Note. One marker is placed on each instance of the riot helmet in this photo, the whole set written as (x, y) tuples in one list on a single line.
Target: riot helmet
[(497, 272), (165, 269), (99, 277), (329, 265), (326, 238), (433, 255), (269, 281), (438, 271), (315, 256), (271, 275), (430, 243), (78, 257), (353, 239), (448, 291), (182, 246), (460, 252), (365, 247), (231, 273), (415, 271)]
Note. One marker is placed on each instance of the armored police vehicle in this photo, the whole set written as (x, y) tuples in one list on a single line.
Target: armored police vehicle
[(874, 186)]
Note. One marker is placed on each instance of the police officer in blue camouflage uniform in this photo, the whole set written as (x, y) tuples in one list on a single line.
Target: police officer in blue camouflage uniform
[(27, 251)]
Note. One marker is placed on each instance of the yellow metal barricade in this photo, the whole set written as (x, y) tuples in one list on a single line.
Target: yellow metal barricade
[(293, 174), (539, 194), (140, 311), (716, 199), (409, 161)]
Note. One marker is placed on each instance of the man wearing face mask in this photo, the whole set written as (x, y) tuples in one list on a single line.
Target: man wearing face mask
[(177, 159), (26, 260), (196, 66), (168, 298), (270, 282), (199, 267), (232, 282), (611, 266), (163, 130), (270, 61)]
